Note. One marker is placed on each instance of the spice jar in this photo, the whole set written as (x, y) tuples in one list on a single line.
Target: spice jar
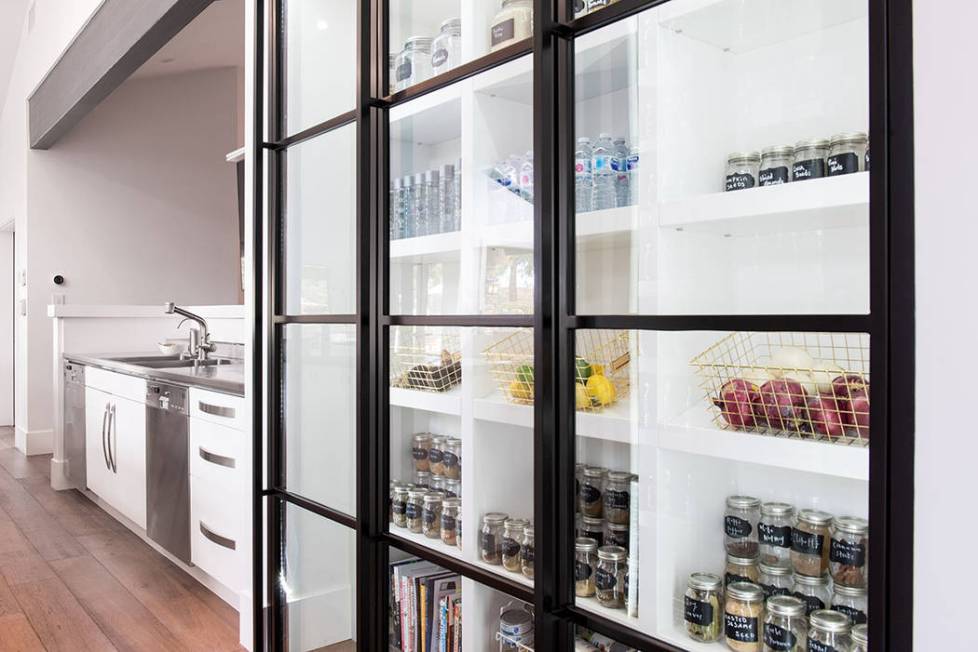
[(852, 601), (774, 533), (590, 494), (512, 535), (413, 509), (701, 607), (526, 552), (616, 534), (593, 528), (742, 169), (774, 580), (453, 488), (399, 507), (860, 639), (810, 542), (431, 514), (617, 497), (449, 522), (740, 525), (828, 631), (813, 591), (436, 456), (742, 616), (847, 153), (446, 49), (809, 158), (785, 624), (420, 445), (437, 483), (609, 576), (422, 479), (741, 569), (847, 550), (585, 563), (513, 22), (451, 458), (491, 537), (775, 165), (515, 628), (414, 62)]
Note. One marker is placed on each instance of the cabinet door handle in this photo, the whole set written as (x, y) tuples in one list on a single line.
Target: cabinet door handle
[(105, 453), (113, 440), (216, 410), (214, 458), (224, 542)]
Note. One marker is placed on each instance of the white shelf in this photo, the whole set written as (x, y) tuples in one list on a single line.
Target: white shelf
[(676, 634), (449, 402), (616, 615), (422, 540), (827, 203), (502, 572), (612, 424), (441, 246), (609, 227)]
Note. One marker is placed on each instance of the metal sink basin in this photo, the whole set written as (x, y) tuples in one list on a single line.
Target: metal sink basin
[(169, 362)]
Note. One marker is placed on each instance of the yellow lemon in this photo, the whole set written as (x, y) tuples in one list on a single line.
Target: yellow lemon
[(582, 398), (521, 391), (601, 389)]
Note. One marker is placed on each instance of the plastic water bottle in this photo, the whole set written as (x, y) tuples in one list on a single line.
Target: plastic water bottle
[(622, 179), (432, 184), (583, 179), (604, 177), (633, 156), (457, 214), (447, 205), (526, 178), (396, 223), (419, 204), (408, 217)]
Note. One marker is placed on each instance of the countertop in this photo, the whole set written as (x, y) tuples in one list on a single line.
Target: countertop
[(227, 378)]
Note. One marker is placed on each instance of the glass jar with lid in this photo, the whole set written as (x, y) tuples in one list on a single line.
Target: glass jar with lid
[(592, 528), (775, 165), (436, 454), (414, 62), (431, 514), (591, 487), (616, 534), (617, 497), (446, 49), (740, 525), (785, 624), (437, 483), (420, 445), (743, 614), (399, 507), (813, 591), (609, 576), (515, 627), (702, 608), (847, 550), (847, 153), (828, 631), (512, 536), (852, 601), (860, 638), (491, 537), (453, 488), (511, 24), (741, 569), (774, 580), (527, 548), (413, 509), (449, 516), (774, 533), (585, 564), (810, 542), (742, 170), (452, 458), (809, 159)]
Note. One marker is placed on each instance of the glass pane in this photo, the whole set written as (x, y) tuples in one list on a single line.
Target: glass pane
[(733, 455), (670, 218), (318, 578), (321, 35), (432, 37), (319, 256), (461, 208), (319, 408)]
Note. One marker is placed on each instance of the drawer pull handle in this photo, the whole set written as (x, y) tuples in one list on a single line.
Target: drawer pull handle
[(214, 458), (216, 410), (217, 538)]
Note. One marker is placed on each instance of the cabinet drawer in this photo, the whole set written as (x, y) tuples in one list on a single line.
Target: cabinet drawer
[(117, 384), (217, 531), (222, 409), (218, 453)]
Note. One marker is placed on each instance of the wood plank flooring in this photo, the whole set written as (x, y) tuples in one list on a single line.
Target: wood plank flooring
[(72, 578)]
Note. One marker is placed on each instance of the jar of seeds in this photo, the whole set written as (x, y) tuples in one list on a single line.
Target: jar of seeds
[(420, 445), (609, 577), (590, 497), (491, 537), (436, 463), (740, 525), (512, 536), (399, 507), (617, 497), (449, 520), (452, 458), (415, 505), (431, 514), (774, 533), (585, 565)]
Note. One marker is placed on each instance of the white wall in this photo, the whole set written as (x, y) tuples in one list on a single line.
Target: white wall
[(6, 329)]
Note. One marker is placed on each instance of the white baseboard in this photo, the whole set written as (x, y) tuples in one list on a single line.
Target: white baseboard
[(34, 442), (59, 475)]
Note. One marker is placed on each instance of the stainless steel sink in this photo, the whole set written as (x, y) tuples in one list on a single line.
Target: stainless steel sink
[(169, 362)]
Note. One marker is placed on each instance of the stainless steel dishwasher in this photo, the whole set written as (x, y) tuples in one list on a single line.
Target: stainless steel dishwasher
[(168, 468), (73, 422)]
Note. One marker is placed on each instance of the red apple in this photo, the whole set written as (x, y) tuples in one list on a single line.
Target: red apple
[(825, 416), (784, 404), (736, 402)]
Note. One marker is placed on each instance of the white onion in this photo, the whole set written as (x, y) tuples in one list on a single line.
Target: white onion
[(824, 375), (791, 358)]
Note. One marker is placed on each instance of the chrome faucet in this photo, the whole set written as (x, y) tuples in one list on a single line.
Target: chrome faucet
[(200, 339)]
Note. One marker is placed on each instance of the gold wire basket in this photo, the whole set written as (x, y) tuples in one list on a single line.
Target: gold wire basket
[(426, 360), (797, 385)]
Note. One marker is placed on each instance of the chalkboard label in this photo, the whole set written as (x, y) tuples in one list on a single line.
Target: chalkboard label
[(450, 460), (398, 507), (487, 543), (526, 554), (435, 456), (736, 527), (582, 571), (770, 589), (807, 543), (615, 499), (404, 71), (855, 615), (740, 628), (511, 547), (730, 578), (818, 646), (604, 580), (779, 638), (773, 535), (590, 493), (811, 169), (447, 523), (618, 538), (739, 181), (811, 602), (698, 613), (847, 552), (774, 176), (428, 517), (504, 31), (412, 510), (419, 453), (843, 164), (439, 57)]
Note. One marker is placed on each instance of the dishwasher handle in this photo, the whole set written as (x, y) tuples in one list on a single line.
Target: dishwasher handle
[(105, 453)]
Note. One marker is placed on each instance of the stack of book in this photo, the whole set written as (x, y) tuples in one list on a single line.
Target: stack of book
[(426, 608)]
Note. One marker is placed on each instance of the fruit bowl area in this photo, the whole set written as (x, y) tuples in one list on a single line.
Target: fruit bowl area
[(800, 385), (427, 361)]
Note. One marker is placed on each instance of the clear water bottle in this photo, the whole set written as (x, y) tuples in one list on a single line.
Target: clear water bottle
[(526, 177), (419, 204), (604, 177), (457, 215), (633, 156), (622, 179), (396, 223), (447, 204), (408, 207), (432, 196), (583, 178)]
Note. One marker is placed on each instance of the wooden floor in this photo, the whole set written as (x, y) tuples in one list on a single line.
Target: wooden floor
[(72, 578)]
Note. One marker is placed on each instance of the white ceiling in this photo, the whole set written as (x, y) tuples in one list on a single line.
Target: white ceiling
[(215, 39), (12, 14)]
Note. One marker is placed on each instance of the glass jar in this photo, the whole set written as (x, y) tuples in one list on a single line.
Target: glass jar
[(774, 580), (701, 607), (526, 552), (512, 535), (616, 534), (449, 520), (740, 525), (617, 497), (775, 165), (813, 591), (420, 445), (515, 627), (585, 564), (431, 514), (852, 601), (742, 170), (491, 537), (809, 159), (743, 614), (452, 458), (609, 576), (453, 488), (847, 551), (774, 533), (513, 23), (446, 49), (436, 454), (810, 543), (828, 631), (422, 479), (413, 509), (414, 62), (847, 153), (860, 638), (593, 528), (590, 494), (741, 569), (785, 624), (437, 483), (399, 507)]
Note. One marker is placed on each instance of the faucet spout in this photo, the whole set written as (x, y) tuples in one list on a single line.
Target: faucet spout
[(199, 346)]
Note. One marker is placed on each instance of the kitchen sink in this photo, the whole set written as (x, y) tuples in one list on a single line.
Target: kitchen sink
[(169, 362)]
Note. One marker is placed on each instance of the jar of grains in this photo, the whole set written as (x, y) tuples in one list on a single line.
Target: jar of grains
[(420, 445), (413, 509), (741, 569), (828, 631), (609, 576), (449, 522), (526, 552), (491, 537), (740, 525), (810, 542), (774, 533), (774, 580), (616, 534), (422, 479), (743, 614), (513, 22), (847, 550), (785, 624), (452, 458), (592, 528), (399, 507), (742, 170), (453, 488), (431, 514), (512, 536), (585, 564), (847, 153), (860, 638), (775, 165), (617, 497), (813, 591), (436, 454), (701, 607), (852, 601), (809, 159), (590, 495)]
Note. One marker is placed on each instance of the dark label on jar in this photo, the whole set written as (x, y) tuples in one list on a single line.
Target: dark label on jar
[(779, 638), (855, 615), (450, 460), (582, 571), (438, 57), (419, 453), (818, 646), (404, 71), (428, 517), (811, 602), (502, 32), (770, 589), (730, 578), (435, 456), (740, 628), (398, 507), (526, 555), (739, 181), (849, 553), (773, 176), (807, 543), (597, 536), (511, 547), (449, 493), (447, 523), (590, 493), (618, 538), (616, 499), (604, 580), (813, 168), (772, 535), (697, 612), (487, 542), (843, 164), (736, 527)]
